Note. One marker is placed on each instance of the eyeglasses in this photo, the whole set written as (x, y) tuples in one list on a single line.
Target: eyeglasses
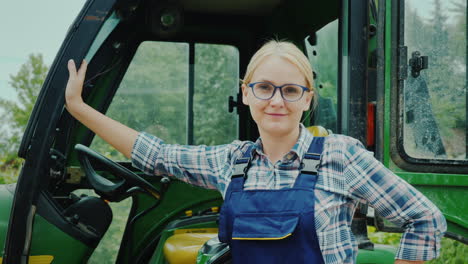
[(289, 92)]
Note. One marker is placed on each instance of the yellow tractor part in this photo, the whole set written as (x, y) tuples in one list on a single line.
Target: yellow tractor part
[(42, 259)]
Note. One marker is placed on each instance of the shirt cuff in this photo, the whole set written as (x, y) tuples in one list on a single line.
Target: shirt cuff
[(419, 246), (145, 151)]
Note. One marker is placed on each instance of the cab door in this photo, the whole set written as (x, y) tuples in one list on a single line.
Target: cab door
[(35, 227), (425, 139)]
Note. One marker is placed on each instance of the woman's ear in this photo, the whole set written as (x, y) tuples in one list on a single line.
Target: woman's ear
[(245, 92), (309, 96)]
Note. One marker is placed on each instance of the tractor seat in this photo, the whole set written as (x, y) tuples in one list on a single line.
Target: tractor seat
[(319, 131), (183, 248)]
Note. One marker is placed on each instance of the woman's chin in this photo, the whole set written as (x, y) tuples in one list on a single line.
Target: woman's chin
[(276, 129)]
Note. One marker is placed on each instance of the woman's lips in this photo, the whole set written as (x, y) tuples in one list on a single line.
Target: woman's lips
[(274, 114)]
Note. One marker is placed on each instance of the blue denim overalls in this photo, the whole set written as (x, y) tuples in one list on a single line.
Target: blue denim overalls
[(272, 226)]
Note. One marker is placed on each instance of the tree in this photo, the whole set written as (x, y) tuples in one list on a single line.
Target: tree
[(216, 68), (27, 83)]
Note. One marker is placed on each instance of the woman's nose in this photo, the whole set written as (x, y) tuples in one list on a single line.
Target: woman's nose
[(277, 99)]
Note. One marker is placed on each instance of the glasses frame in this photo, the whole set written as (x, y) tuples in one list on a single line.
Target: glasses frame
[(251, 85)]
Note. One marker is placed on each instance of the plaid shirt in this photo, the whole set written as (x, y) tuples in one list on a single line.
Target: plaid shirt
[(348, 174)]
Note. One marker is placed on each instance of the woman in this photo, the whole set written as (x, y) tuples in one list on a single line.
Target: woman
[(279, 192)]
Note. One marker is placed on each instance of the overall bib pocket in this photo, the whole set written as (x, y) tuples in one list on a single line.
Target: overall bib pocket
[(264, 226)]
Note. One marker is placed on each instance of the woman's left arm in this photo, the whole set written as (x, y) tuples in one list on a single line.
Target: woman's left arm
[(371, 182)]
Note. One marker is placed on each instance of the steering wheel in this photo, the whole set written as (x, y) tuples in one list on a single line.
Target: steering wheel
[(129, 182)]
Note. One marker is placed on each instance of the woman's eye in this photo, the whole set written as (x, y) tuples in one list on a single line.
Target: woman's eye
[(291, 90), (265, 87)]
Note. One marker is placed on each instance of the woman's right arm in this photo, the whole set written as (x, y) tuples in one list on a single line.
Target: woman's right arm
[(116, 134), (205, 166)]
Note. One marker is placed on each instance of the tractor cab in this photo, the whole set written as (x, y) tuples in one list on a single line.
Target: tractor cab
[(172, 68)]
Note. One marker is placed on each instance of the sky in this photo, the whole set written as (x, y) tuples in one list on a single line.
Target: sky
[(31, 27)]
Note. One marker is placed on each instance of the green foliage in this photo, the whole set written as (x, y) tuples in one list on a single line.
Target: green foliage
[(27, 84), (8, 175), (451, 252), (392, 239), (216, 77)]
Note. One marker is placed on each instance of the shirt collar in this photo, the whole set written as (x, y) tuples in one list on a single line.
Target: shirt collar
[(300, 148)]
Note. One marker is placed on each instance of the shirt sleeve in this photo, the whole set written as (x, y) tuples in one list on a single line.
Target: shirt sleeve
[(204, 166), (369, 181)]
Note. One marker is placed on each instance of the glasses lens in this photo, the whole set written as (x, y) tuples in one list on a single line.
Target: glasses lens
[(292, 92), (263, 90)]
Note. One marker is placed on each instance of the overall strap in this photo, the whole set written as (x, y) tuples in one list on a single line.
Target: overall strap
[(241, 165), (312, 157), (310, 163)]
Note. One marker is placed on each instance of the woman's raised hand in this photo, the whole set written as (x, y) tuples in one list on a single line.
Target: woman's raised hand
[(75, 84), (118, 135)]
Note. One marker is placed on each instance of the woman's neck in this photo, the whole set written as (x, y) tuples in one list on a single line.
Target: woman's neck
[(275, 146)]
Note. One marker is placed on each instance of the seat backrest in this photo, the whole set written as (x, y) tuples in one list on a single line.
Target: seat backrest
[(319, 131)]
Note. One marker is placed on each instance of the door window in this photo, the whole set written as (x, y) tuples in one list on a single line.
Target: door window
[(152, 95), (176, 97), (434, 91), (216, 78)]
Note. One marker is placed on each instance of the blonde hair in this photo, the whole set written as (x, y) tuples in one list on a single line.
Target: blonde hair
[(285, 50)]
